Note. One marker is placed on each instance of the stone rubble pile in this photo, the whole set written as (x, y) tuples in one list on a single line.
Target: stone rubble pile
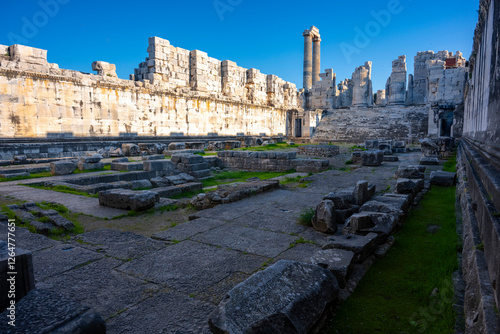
[(338, 206), (434, 148)]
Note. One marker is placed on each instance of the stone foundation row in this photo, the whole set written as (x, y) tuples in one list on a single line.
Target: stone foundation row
[(270, 161)]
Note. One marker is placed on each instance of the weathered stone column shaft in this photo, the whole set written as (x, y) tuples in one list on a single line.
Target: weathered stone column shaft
[(308, 56), (316, 66)]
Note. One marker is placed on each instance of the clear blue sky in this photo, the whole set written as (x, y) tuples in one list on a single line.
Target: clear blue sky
[(266, 35)]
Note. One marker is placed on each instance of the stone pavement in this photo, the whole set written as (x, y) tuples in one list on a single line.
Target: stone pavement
[(75, 203), (170, 283)]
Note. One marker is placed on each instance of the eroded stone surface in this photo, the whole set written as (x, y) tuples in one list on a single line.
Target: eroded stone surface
[(118, 244), (361, 245), (446, 179), (338, 261), (128, 199), (56, 260), (191, 267), (287, 297), (254, 241), (324, 219), (178, 314)]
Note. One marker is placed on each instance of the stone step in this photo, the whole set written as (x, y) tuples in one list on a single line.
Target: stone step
[(127, 166), (200, 174), (13, 175), (176, 190)]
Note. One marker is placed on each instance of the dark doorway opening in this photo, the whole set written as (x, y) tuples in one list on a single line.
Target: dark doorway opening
[(446, 123), (298, 127)]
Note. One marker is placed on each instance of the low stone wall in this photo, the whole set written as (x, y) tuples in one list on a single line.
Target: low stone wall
[(75, 147), (270, 161), (326, 151)]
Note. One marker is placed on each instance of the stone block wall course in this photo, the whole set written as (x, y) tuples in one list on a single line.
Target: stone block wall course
[(360, 124), (174, 91), (270, 161)]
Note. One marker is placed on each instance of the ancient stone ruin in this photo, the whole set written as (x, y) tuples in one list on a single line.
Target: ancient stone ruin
[(136, 202)]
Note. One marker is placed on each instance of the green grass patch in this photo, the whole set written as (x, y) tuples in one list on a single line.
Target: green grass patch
[(269, 147), (288, 180), (301, 241), (8, 212), (77, 171), (239, 176), (53, 206), (451, 164), (61, 189), (396, 295), (207, 153), (31, 176), (306, 216), (356, 147), (55, 233)]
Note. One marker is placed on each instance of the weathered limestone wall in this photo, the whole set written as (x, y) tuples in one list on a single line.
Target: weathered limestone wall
[(479, 176), (174, 92), (362, 92), (344, 94), (381, 98), (324, 91), (360, 124), (439, 77), (482, 104), (397, 82)]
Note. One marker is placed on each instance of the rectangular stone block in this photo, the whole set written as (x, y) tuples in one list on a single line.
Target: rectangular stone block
[(158, 165), (24, 279), (128, 199), (178, 189), (372, 158), (89, 165)]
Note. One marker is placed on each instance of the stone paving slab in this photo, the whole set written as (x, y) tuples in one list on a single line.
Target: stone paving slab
[(188, 229), (118, 244), (75, 203), (27, 240), (100, 287), (226, 212), (167, 313), (266, 220), (318, 237), (254, 241), (216, 293), (56, 260), (45, 311), (299, 253), (191, 267)]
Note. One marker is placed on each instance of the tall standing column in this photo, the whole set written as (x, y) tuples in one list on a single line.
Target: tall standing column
[(316, 66), (308, 56)]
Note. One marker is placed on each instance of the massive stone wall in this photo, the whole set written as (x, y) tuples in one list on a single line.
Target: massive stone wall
[(360, 124), (174, 92), (439, 78), (479, 176), (396, 93)]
